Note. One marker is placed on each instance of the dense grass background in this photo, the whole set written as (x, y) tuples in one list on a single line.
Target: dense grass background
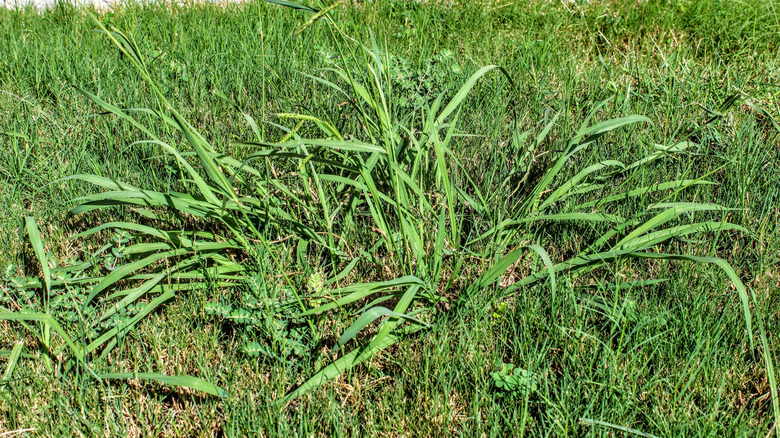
[(679, 366)]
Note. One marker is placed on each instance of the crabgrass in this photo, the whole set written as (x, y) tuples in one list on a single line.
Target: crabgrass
[(600, 352)]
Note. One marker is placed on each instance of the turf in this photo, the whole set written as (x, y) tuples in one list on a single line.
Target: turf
[(667, 359)]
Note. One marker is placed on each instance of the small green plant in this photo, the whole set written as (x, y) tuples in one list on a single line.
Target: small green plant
[(268, 327), (499, 309), (514, 382), (416, 88)]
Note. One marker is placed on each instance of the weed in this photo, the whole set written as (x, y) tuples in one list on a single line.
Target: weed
[(514, 382), (372, 193)]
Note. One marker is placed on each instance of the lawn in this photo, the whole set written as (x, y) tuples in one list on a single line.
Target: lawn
[(400, 218)]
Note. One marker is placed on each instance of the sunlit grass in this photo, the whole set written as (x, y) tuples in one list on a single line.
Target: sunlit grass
[(478, 226)]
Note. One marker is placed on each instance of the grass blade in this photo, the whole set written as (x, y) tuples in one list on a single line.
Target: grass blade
[(16, 352), (367, 318), (180, 381), (35, 240), (46, 320)]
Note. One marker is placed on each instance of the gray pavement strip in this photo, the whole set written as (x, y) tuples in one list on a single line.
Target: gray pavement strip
[(100, 4)]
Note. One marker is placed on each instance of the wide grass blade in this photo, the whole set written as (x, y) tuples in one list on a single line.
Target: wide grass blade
[(13, 358), (180, 381), (293, 5), (368, 317), (105, 337), (672, 212), (35, 240), (592, 133), (465, 89), (727, 268), (500, 267), (48, 321), (340, 366), (359, 291)]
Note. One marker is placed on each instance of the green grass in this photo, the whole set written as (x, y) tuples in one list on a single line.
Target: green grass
[(471, 216)]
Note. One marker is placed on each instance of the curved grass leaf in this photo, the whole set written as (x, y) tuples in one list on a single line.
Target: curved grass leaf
[(13, 358), (340, 366), (35, 240), (368, 317), (180, 381), (500, 267), (48, 321), (726, 267)]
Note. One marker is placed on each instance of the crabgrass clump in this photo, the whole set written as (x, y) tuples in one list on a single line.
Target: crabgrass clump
[(396, 180), (319, 240)]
